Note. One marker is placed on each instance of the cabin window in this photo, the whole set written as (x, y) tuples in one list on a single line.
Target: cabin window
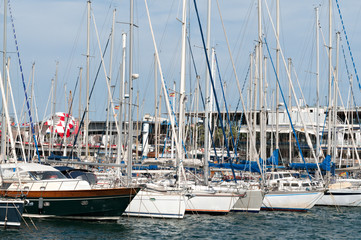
[(287, 175), (305, 184), (47, 175), (294, 184)]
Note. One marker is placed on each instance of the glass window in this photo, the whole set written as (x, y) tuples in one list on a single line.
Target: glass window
[(40, 175)]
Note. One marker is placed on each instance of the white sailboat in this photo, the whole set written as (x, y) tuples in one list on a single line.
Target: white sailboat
[(340, 192), (157, 200), (290, 194), (208, 197)]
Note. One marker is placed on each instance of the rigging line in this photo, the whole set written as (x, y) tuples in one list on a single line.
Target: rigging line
[(105, 126), (347, 122), (69, 111), (288, 113), (242, 32), (240, 124), (164, 87), (227, 113), (90, 95), (348, 44), (249, 127), (351, 87), (14, 108), (244, 84), (213, 87), (105, 72), (70, 59), (308, 139), (304, 99), (202, 97), (22, 78)]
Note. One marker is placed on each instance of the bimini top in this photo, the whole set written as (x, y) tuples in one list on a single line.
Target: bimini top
[(27, 167)]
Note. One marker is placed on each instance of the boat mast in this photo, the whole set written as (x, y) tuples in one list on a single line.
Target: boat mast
[(278, 71), (174, 110), (80, 108), (3, 125), (7, 117), (110, 82), (317, 87), (250, 107), (329, 77), (290, 109), (156, 105), (260, 77), (130, 125), (31, 107), (207, 103), (329, 85), (121, 102), (255, 94), (180, 155), (335, 91), (86, 125)]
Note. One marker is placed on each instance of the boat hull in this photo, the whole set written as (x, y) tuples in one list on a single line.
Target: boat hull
[(210, 203), (299, 201), (341, 197), (251, 202), (94, 204), (11, 211), (157, 204)]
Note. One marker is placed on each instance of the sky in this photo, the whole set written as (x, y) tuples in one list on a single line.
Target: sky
[(51, 32)]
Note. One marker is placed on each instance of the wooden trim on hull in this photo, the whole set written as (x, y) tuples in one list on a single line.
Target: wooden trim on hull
[(72, 193)]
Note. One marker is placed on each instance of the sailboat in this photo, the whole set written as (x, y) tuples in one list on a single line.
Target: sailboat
[(157, 200), (340, 192), (209, 197)]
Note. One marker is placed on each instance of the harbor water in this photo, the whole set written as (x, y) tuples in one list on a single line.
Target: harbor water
[(319, 223)]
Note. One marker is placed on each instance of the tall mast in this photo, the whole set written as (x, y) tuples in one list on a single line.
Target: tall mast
[(174, 110), (329, 78), (121, 101), (317, 87), (54, 99), (3, 125), (335, 90), (86, 125), (180, 155), (156, 104), (80, 109), (52, 120), (290, 109), (130, 128), (110, 82), (206, 110), (255, 94), (54, 82), (260, 77), (278, 70), (250, 151), (31, 105)]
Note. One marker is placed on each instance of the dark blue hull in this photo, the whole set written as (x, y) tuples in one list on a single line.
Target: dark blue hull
[(11, 211)]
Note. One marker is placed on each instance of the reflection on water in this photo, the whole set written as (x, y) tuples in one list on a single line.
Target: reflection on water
[(320, 222)]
